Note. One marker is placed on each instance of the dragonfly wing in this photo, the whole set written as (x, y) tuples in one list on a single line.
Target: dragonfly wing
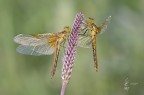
[(85, 41), (104, 25), (44, 49), (35, 50), (25, 39), (28, 50), (32, 40), (32, 45)]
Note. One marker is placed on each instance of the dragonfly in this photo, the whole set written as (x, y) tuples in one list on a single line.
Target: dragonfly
[(89, 34), (43, 44)]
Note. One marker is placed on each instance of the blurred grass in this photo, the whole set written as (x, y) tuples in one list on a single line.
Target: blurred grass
[(120, 50)]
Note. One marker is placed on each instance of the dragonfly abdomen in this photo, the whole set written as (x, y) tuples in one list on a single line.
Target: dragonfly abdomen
[(94, 53), (56, 54)]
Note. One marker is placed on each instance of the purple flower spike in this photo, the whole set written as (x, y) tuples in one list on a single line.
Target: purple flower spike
[(70, 53)]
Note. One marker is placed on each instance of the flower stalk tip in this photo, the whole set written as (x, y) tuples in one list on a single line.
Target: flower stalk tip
[(70, 53)]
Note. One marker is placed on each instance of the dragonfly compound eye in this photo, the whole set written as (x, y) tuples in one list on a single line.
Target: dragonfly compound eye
[(67, 29)]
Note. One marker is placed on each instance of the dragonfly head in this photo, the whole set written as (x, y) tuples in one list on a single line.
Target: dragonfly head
[(90, 21), (67, 29)]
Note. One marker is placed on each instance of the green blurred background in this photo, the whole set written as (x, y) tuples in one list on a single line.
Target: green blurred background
[(120, 50)]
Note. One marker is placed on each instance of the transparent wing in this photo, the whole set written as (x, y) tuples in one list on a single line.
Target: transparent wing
[(35, 45), (104, 25), (35, 50), (31, 40), (28, 50), (85, 41)]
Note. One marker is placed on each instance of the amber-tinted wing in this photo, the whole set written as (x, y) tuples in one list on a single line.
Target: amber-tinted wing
[(85, 41), (31, 45)]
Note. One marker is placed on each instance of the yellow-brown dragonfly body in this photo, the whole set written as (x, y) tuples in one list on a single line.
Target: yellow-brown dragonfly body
[(43, 44), (89, 36)]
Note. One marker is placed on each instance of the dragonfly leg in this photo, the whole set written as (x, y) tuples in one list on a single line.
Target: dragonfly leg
[(85, 30), (63, 46), (84, 22)]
